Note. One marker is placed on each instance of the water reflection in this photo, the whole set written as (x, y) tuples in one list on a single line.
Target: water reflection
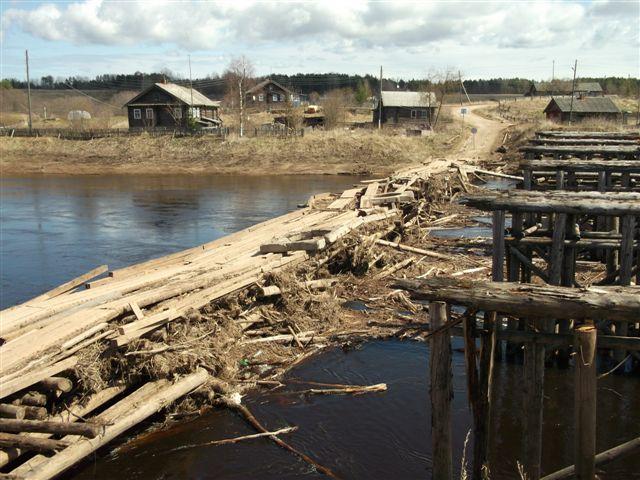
[(55, 228)]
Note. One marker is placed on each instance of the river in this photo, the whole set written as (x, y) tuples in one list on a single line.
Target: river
[(54, 228)]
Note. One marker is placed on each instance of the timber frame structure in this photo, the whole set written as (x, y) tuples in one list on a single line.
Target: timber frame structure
[(568, 209)]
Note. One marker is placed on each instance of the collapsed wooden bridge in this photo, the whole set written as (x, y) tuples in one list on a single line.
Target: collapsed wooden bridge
[(143, 311)]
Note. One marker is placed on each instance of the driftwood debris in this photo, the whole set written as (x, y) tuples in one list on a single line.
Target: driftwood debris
[(246, 413), (242, 438)]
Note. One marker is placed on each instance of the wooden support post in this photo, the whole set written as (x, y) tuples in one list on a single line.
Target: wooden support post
[(557, 249), (585, 402), (498, 246), (568, 276), (497, 266), (482, 420), (534, 355), (627, 229), (513, 275), (560, 180), (441, 392)]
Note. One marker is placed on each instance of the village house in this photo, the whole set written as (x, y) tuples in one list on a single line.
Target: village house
[(167, 105), (406, 107), (268, 95), (589, 89), (548, 89), (559, 108)]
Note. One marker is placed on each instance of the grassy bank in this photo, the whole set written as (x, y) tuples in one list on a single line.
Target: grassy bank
[(357, 152)]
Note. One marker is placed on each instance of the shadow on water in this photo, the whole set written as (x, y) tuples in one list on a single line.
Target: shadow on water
[(374, 436)]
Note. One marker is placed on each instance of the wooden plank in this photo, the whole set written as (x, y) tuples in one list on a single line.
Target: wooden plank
[(369, 193), (136, 310), (15, 385), (76, 282)]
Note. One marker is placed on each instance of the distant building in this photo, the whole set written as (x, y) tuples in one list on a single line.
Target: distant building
[(406, 107), (563, 87), (167, 105), (589, 89), (548, 89), (268, 95), (559, 108)]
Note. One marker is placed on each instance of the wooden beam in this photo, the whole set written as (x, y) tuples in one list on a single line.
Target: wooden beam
[(529, 300)]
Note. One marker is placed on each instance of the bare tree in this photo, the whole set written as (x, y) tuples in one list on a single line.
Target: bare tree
[(334, 106), (238, 76), (441, 83)]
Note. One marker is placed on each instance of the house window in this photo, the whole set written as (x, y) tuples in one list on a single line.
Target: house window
[(149, 113), (275, 97), (261, 98), (414, 114), (254, 98), (137, 113), (177, 113)]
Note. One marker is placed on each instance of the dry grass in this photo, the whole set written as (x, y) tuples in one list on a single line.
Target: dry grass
[(337, 151)]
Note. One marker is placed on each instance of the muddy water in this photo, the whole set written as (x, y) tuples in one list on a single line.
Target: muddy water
[(55, 228), (375, 436)]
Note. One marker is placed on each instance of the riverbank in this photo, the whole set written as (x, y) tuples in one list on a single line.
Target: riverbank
[(335, 152)]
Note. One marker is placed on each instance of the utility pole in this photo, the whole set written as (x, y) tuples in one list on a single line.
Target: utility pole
[(464, 89), (573, 91), (553, 71), (460, 79), (380, 101), (26, 56), (190, 86), (241, 98)]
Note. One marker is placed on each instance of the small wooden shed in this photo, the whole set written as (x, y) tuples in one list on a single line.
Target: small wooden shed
[(406, 107), (167, 105), (559, 109)]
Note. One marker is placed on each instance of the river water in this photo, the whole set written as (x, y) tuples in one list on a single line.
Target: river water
[(54, 228)]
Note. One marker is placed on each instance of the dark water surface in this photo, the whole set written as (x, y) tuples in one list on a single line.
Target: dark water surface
[(374, 436), (54, 228)]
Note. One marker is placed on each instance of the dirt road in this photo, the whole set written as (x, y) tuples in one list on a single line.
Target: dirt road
[(487, 137)]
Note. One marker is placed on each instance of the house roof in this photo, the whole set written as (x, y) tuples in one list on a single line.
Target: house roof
[(181, 93), (266, 82), (585, 105), (588, 87), (555, 86), (408, 99)]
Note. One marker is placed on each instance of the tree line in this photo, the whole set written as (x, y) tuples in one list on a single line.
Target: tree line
[(216, 86)]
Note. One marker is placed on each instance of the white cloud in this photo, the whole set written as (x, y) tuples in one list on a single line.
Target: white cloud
[(205, 25)]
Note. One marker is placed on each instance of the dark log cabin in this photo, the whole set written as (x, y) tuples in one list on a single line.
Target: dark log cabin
[(406, 107), (268, 95), (167, 105), (559, 109)]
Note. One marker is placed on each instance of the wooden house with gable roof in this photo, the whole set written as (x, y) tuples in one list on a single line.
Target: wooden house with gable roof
[(167, 105)]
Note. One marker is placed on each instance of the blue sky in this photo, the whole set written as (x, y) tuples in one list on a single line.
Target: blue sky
[(410, 39)]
